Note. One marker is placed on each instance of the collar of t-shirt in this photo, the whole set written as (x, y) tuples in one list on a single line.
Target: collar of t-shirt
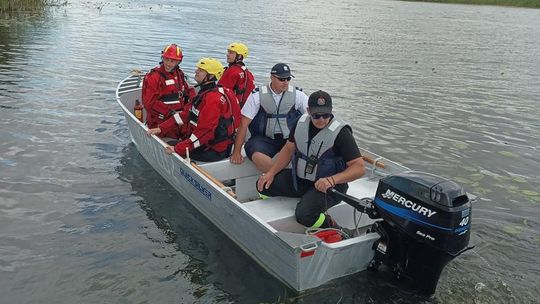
[(274, 94)]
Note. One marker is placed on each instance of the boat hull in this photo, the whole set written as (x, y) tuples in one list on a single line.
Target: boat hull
[(299, 260)]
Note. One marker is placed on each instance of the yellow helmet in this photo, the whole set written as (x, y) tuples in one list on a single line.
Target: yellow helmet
[(211, 66), (239, 48)]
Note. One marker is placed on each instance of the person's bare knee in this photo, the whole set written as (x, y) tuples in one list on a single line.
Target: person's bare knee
[(262, 161)]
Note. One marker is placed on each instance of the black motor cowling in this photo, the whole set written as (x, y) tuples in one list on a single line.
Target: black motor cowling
[(426, 223)]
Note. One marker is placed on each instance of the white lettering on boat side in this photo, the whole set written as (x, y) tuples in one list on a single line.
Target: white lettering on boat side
[(408, 204)]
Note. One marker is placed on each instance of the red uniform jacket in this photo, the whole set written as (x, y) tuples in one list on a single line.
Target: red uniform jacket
[(239, 79), (212, 118), (163, 93)]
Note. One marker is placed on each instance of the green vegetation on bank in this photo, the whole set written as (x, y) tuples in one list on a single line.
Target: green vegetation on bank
[(28, 5), (520, 3)]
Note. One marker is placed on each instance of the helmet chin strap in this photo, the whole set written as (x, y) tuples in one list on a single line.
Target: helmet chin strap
[(205, 80), (209, 78)]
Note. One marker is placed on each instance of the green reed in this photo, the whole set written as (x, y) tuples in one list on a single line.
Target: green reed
[(28, 5), (520, 3)]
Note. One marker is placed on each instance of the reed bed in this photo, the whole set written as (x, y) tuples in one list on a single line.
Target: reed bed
[(518, 3), (28, 5)]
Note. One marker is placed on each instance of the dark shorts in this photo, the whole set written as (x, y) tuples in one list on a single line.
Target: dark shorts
[(264, 144)]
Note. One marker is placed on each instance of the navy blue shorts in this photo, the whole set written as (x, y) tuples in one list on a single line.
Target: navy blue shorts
[(264, 144)]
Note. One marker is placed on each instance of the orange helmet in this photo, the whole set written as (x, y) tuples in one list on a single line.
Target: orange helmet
[(172, 51)]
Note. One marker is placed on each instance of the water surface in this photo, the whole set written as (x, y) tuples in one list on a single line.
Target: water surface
[(449, 89)]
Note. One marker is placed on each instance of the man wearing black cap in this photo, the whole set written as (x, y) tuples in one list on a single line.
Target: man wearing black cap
[(268, 113), (324, 155)]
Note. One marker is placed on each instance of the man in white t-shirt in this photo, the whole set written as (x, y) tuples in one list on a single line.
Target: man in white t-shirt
[(269, 112)]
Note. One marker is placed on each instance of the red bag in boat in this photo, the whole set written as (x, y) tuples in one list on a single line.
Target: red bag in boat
[(329, 236)]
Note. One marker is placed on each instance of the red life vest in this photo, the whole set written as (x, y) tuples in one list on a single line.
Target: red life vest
[(227, 107), (164, 92), (239, 79)]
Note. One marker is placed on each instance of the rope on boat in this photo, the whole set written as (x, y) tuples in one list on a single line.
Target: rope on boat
[(226, 188)]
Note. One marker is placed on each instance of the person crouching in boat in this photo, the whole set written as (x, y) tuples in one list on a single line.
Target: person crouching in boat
[(165, 89), (236, 76), (324, 155), (268, 113), (211, 118)]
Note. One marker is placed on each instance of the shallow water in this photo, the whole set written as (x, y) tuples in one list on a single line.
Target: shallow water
[(449, 89)]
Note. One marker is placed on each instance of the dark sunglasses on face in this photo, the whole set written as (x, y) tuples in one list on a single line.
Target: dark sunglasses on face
[(282, 79), (321, 115)]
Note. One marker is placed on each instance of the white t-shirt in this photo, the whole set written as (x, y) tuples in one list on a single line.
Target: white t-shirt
[(253, 103)]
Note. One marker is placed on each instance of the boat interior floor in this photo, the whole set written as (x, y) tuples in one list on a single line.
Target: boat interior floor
[(279, 211)]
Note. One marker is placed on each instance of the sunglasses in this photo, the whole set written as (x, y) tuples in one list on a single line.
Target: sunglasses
[(282, 79), (321, 115)]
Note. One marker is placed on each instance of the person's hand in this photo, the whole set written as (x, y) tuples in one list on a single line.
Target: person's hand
[(236, 158), (169, 149), (153, 131), (265, 181), (323, 184)]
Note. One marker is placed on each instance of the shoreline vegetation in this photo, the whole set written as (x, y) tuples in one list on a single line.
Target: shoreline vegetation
[(516, 3), (28, 5)]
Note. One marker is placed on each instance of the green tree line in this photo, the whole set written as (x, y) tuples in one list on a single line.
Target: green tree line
[(27, 5), (520, 3)]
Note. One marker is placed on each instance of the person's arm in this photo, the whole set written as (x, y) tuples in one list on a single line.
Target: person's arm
[(301, 103), (236, 156), (283, 159), (150, 91), (355, 169), (348, 149), (249, 110), (209, 113), (230, 78), (150, 96), (169, 124)]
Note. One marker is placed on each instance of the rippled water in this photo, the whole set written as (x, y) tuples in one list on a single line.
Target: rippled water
[(448, 89)]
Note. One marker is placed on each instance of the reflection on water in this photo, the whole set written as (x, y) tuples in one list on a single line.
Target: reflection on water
[(212, 257), (447, 89)]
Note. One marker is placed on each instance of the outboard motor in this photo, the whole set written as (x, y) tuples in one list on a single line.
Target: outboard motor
[(426, 223)]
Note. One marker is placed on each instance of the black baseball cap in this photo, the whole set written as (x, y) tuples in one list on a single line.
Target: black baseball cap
[(320, 102), (281, 70)]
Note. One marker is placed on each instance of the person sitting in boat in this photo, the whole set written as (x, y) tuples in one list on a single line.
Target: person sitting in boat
[(236, 76), (269, 111), (210, 119), (324, 155), (165, 89)]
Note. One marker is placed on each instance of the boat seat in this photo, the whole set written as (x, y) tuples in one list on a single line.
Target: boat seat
[(273, 208), (281, 209), (224, 169)]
